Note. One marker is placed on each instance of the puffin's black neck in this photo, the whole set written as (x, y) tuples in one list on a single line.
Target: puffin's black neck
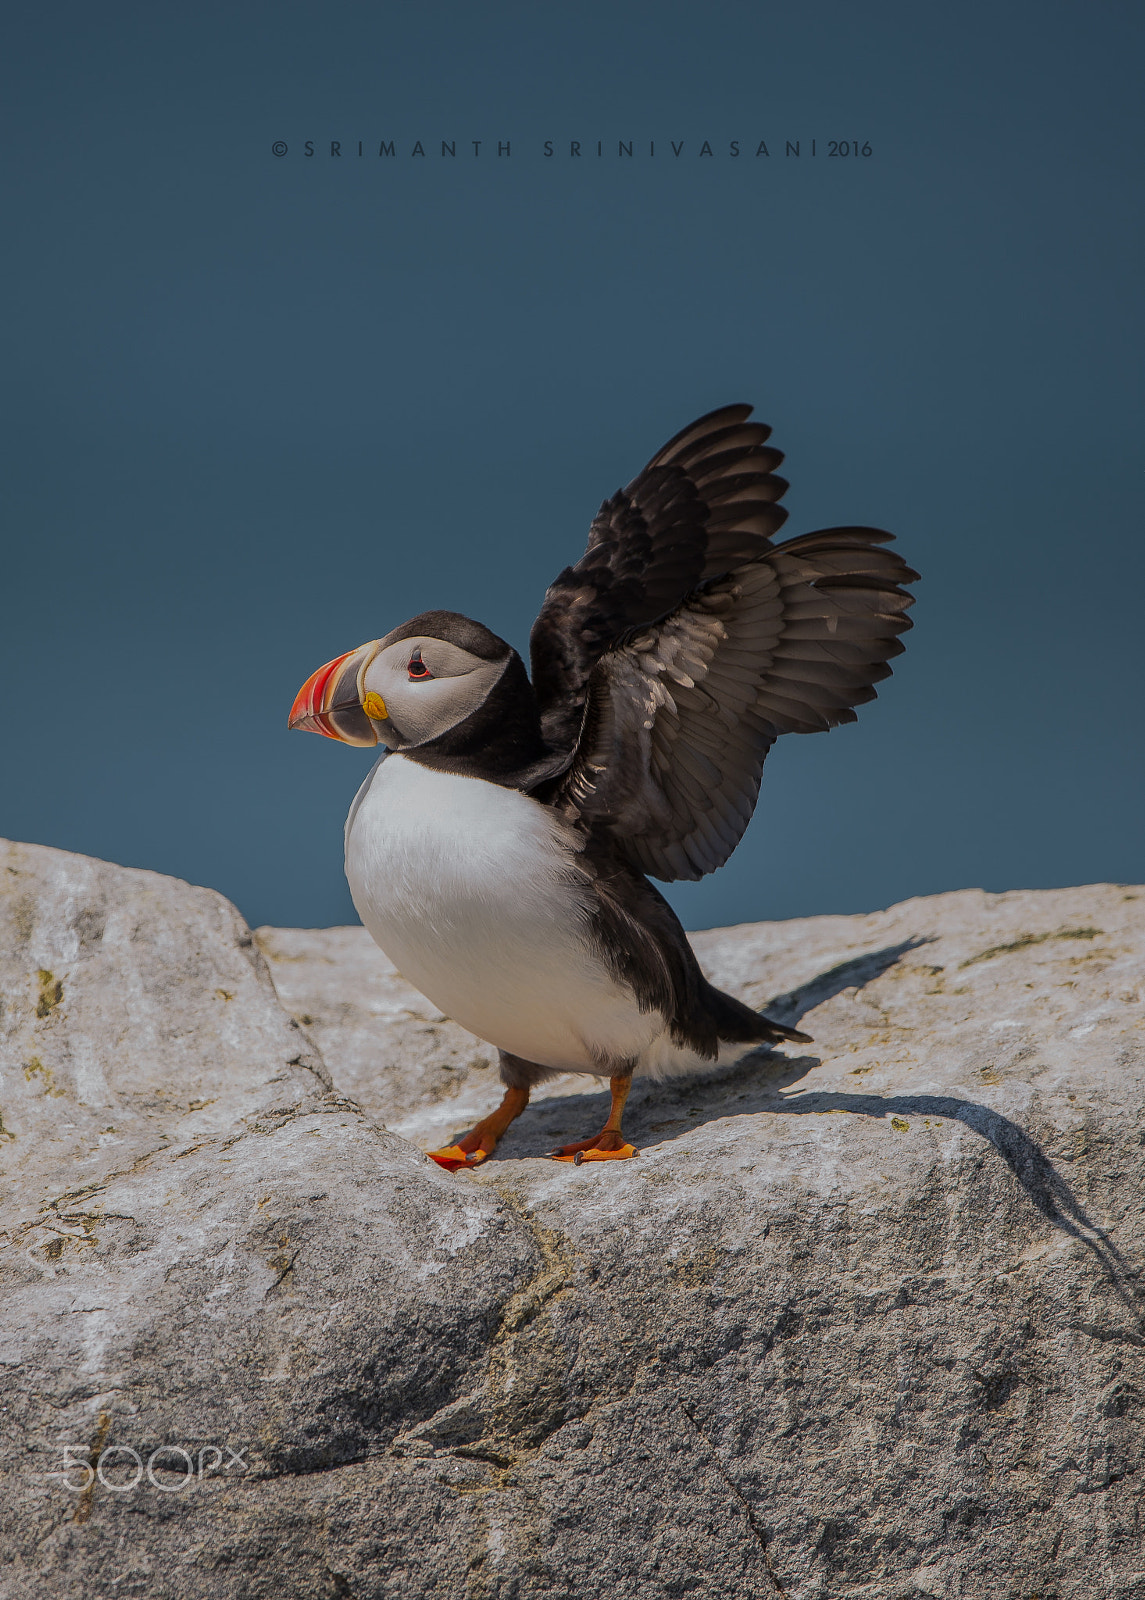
[(500, 741)]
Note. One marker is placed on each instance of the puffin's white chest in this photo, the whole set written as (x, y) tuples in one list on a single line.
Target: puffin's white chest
[(476, 895)]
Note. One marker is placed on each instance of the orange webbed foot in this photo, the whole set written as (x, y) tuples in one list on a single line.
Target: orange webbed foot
[(478, 1144), (607, 1146), (454, 1157)]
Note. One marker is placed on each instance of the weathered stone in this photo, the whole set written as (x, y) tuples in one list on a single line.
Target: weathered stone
[(863, 1321), (205, 1248)]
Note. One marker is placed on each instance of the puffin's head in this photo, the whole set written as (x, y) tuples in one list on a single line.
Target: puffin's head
[(414, 685)]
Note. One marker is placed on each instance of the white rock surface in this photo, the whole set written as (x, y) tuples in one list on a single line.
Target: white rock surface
[(864, 1321)]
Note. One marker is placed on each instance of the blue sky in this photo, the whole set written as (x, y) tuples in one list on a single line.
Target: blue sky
[(260, 408)]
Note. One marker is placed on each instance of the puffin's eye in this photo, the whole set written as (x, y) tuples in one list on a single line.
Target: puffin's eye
[(418, 670)]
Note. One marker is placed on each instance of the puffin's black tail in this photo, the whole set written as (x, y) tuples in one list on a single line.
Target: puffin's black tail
[(738, 1023)]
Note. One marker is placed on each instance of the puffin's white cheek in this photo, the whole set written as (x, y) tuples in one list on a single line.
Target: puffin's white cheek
[(426, 710), (420, 710)]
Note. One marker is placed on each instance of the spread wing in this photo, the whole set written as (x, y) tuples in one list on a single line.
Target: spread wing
[(684, 642)]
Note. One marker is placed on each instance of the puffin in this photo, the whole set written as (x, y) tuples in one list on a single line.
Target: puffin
[(500, 850)]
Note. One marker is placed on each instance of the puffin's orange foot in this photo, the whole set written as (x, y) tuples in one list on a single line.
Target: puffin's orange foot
[(607, 1146), (471, 1150), (455, 1157)]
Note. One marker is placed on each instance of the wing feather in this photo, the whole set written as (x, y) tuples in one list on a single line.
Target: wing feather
[(673, 655)]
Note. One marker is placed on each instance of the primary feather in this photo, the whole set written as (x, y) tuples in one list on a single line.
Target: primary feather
[(684, 642)]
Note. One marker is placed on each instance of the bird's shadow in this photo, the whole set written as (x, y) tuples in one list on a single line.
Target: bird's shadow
[(660, 1112), (677, 1104), (793, 1006)]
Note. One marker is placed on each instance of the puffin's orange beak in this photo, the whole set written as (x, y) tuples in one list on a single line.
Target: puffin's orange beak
[(330, 700)]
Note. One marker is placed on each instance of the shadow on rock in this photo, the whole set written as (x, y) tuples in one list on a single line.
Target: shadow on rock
[(793, 1006), (678, 1104), (661, 1112), (1046, 1189)]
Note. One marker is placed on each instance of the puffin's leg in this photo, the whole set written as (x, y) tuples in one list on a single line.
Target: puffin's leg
[(475, 1146), (609, 1144)]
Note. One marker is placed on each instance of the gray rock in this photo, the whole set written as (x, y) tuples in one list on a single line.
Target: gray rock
[(864, 1321), (203, 1248)]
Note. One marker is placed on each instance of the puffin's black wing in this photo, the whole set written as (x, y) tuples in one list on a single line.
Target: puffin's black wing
[(683, 643)]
